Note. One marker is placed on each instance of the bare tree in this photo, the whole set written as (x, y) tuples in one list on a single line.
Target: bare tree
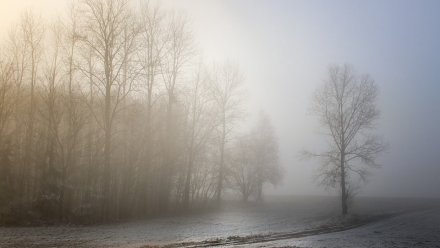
[(17, 48), (74, 118), (51, 111), (255, 160), (105, 23), (6, 114), (153, 41), (6, 96), (265, 147), (32, 30), (201, 122), (178, 53), (151, 53), (227, 94), (243, 173), (346, 106)]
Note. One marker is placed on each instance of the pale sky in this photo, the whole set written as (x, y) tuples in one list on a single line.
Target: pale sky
[(284, 48)]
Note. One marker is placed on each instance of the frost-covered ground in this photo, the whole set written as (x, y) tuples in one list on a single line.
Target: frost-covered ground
[(277, 215), (416, 229)]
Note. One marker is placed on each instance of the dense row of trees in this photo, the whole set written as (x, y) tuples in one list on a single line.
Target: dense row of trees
[(109, 114)]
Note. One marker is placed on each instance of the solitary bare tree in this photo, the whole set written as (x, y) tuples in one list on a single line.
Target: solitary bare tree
[(346, 106)]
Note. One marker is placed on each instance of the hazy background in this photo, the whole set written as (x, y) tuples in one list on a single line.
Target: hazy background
[(284, 48)]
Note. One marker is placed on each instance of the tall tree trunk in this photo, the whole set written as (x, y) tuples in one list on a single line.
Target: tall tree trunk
[(222, 162), (186, 191), (343, 186), (260, 190), (107, 146), (28, 189)]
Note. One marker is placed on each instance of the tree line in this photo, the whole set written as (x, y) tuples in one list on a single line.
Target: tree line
[(109, 113)]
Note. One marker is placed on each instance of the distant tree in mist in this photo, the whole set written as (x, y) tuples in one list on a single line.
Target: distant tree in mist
[(226, 90), (346, 107), (179, 52), (255, 160), (201, 123), (152, 48), (243, 171), (266, 155)]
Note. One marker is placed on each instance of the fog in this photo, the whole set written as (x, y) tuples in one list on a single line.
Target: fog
[(199, 123), (284, 48)]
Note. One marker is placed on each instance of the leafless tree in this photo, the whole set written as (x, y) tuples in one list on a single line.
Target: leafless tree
[(243, 167), (151, 53), (6, 113), (105, 25), (17, 53), (32, 30), (6, 96), (227, 92), (51, 113), (201, 122), (74, 116), (255, 160), (346, 107), (265, 147), (177, 56)]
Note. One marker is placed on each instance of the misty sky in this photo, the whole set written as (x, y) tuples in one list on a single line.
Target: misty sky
[(284, 48)]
